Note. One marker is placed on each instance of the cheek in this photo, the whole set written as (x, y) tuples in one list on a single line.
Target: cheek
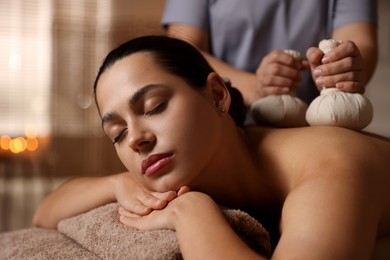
[(126, 156), (199, 134), (191, 121)]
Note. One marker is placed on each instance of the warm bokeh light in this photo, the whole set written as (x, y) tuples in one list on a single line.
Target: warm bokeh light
[(17, 145), (5, 142), (32, 144)]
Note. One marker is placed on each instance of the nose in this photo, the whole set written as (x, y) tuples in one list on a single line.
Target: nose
[(140, 140)]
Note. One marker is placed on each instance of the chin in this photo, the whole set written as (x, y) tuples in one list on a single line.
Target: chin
[(167, 184)]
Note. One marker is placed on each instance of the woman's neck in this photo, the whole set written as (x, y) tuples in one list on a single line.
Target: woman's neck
[(236, 176)]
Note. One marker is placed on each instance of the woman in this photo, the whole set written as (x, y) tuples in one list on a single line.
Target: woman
[(322, 192)]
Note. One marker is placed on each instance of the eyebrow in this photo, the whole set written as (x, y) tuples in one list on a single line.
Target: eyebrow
[(108, 118), (134, 99)]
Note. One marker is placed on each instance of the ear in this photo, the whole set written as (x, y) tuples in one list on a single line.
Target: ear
[(219, 91)]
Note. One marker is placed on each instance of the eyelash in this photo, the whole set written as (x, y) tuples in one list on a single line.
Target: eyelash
[(160, 107), (118, 137)]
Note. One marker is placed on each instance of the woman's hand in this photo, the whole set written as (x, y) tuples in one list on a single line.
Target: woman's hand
[(342, 67), (157, 218), (279, 73), (202, 230), (135, 198)]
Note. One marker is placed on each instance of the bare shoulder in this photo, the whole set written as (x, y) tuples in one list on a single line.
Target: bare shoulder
[(297, 153), (320, 143), (301, 152), (336, 177), (329, 155)]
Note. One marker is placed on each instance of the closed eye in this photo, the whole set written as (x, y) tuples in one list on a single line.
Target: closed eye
[(119, 136), (157, 109)]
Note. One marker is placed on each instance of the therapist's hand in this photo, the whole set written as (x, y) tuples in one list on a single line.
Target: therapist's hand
[(279, 73), (342, 67)]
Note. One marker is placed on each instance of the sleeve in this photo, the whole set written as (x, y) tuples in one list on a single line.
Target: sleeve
[(194, 12), (350, 11)]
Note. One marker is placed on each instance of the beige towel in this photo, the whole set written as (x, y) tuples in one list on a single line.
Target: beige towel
[(98, 234), (39, 243)]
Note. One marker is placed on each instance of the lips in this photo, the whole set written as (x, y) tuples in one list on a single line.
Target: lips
[(155, 162)]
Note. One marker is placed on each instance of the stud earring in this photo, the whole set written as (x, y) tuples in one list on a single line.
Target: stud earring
[(222, 110)]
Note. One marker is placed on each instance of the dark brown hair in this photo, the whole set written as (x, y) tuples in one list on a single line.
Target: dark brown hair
[(178, 58)]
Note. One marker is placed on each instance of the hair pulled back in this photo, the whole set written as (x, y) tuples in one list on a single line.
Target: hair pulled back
[(178, 58)]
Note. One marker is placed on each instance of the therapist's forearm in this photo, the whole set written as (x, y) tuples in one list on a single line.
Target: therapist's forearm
[(364, 35), (242, 80)]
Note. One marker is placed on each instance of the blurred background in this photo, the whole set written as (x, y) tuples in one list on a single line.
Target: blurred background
[(50, 131)]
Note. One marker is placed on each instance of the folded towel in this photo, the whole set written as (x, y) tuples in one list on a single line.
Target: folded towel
[(40, 243), (98, 234)]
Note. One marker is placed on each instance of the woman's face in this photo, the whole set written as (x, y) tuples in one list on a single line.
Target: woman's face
[(165, 132)]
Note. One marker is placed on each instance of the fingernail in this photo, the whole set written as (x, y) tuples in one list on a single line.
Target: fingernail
[(317, 72), (325, 59), (320, 82)]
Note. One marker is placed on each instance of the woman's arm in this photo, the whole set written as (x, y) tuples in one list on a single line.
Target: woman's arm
[(202, 230), (73, 197), (324, 217), (333, 213), (83, 194)]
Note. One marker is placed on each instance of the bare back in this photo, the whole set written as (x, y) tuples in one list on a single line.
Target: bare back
[(337, 185)]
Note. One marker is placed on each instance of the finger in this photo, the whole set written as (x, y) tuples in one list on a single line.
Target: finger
[(314, 56), (155, 203), (153, 200), (282, 70), (131, 222), (281, 57), (334, 79), (151, 222), (305, 65), (279, 84), (136, 207), (123, 212), (183, 190), (344, 50), (351, 87), (338, 67), (166, 196)]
